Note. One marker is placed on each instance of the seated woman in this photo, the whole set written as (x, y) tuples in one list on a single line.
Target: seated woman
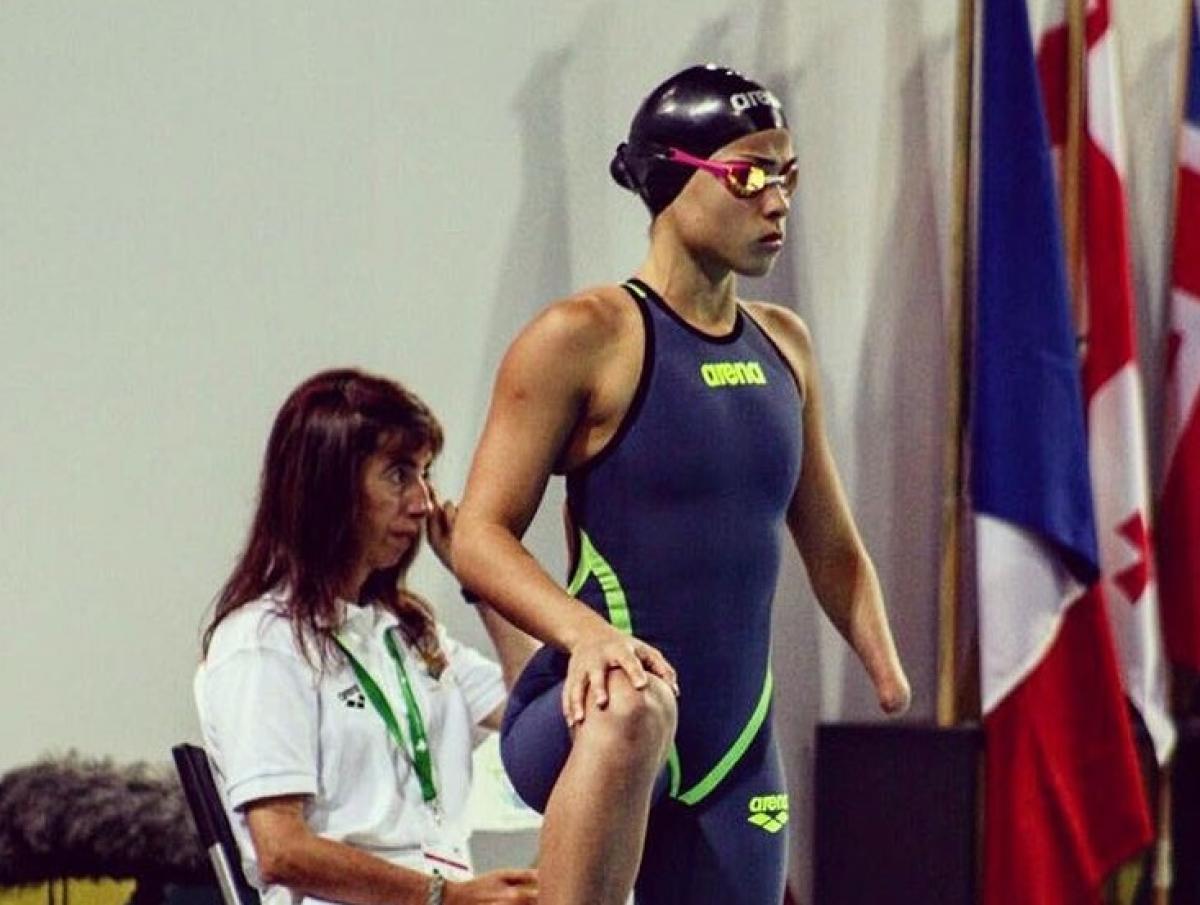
[(339, 716)]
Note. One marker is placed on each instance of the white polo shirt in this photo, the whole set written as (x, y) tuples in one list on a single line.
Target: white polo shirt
[(273, 725)]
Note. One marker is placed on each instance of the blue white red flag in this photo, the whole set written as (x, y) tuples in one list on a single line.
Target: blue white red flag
[(1064, 802)]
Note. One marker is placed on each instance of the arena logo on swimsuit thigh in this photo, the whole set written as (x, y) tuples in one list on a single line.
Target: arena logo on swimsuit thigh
[(769, 812), (733, 373)]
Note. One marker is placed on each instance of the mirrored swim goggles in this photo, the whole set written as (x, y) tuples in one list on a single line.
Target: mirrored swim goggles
[(742, 178)]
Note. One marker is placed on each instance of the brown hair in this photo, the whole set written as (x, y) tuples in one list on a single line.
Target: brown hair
[(303, 538)]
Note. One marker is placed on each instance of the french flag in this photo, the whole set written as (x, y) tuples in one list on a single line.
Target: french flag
[(1179, 506), (1064, 802)]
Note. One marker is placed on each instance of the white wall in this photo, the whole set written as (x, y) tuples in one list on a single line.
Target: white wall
[(201, 204)]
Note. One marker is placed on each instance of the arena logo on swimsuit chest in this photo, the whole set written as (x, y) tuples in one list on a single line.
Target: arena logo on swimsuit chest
[(733, 373)]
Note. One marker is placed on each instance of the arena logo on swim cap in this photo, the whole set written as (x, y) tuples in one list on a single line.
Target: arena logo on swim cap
[(747, 99)]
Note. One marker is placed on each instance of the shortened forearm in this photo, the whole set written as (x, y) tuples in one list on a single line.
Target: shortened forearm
[(849, 592)]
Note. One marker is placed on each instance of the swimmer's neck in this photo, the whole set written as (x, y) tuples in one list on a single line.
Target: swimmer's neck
[(704, 297)]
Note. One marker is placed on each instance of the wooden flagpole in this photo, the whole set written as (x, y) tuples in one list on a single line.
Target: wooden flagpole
[(949, 590), (1072, 171)]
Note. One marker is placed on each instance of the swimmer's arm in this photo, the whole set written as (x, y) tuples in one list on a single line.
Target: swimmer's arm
[(541, 394), (839, 567), (512, 645)]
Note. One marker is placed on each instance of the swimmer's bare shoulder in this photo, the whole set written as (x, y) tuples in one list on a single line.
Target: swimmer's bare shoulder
[(587, 346), (591, 321), (790, 334), (586, 334)]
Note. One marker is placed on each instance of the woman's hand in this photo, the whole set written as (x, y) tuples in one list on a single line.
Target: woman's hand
[(601, 649), (439, 526), (509, 886)]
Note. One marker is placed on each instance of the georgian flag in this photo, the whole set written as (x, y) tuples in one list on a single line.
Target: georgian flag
[(1179, 507), (1112, 380)]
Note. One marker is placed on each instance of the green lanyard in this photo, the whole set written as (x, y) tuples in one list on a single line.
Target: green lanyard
[(419, 754)]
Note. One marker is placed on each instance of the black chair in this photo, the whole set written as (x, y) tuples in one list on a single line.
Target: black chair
[(195, 774)]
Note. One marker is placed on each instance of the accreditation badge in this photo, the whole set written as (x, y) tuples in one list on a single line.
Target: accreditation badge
[(452, 861)]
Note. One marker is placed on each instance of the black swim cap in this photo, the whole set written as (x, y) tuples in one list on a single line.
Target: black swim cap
[(699, 110)]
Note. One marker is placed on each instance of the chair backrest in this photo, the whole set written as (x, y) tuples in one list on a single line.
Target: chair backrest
[(195, 774)]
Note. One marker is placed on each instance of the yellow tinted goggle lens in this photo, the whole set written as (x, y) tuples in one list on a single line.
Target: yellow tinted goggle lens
[(750, 180), (747, 181)]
